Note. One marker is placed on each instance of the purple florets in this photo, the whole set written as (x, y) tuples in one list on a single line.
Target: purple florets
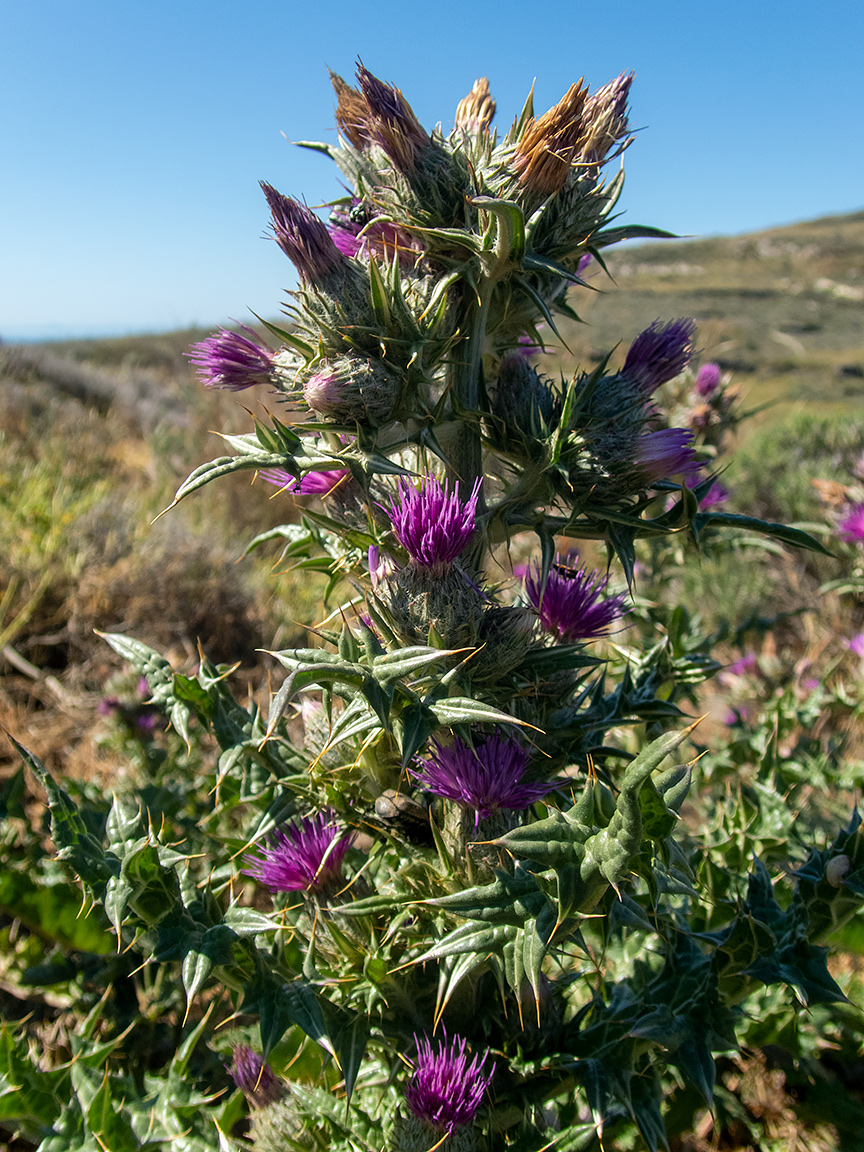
[(851, 527), (304, 238), (311, 484), (433, 524), (707, 380), (855, 644), (254, 1077), (300, 857), (447, 1088), (659, 354), (487, 777), (571, 604), (717, 494), (667, 452), (231, 360)]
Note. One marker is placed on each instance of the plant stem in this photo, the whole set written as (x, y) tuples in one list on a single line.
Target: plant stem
[(465, 449)]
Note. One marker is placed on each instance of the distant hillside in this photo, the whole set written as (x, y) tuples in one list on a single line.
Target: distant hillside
[(785, 305), (782, 308)]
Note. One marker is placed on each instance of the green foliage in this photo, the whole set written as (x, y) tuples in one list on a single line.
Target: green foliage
[(611, 944)]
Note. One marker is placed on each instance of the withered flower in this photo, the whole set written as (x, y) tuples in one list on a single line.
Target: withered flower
[(550, 145)]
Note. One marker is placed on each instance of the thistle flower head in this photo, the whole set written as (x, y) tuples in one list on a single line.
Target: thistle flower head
[(254, 1077), (487, 777), (549, 145), (390, 122), (231, 360), (571, 604), (432, 523), (304, 239), (658, 354), (707, 380), (447, 1088), (306, 856), (855, 644), (851, 527), (667, 452), (475, 111)]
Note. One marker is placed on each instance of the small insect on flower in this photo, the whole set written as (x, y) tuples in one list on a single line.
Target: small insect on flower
[(447, 1088), (571, 604)]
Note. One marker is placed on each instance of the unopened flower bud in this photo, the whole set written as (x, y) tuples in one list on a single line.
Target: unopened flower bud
[(606, 120), (353, 389), (351, 111), (254, 1077), (522, 398), (707, 380), (304, 239), (391, 123), (476, 110), (505, 636)]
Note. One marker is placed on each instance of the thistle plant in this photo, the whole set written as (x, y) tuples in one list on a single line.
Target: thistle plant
[(460, 910)]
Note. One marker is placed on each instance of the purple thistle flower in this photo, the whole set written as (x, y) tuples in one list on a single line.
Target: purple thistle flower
[(742, 665), (312, 484), (432, 523), (667, 452), (707, 380), (447, 1088), (856, 644), (526, 348), (231, 360), (851, 527), (658, 354), (304, 239), (254, 1076), (300, 857), (487, 777), (570, 604)]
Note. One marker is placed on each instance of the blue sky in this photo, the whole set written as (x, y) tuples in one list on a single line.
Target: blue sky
[(133, 136)]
